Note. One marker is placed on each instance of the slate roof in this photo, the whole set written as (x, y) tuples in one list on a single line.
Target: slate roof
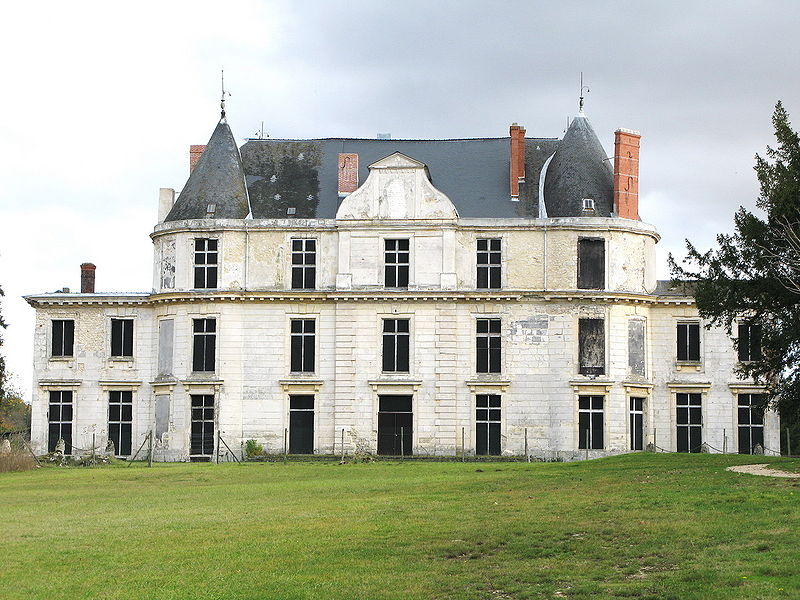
[(580, 169), (277, 175), (217, 179)]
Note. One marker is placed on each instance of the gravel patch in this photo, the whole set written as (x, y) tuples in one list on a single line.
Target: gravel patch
[(761, 469)]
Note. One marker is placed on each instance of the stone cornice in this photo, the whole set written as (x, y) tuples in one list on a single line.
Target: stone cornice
[(145, 299)]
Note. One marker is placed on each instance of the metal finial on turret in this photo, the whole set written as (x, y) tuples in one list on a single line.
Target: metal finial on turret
[(222, 102), (583, 87)]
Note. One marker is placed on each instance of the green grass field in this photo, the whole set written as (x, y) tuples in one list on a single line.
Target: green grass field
[(636, 526)]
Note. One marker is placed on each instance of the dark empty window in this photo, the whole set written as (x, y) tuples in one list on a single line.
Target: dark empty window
[(121, 337), (395, 263), (590, 422), (591, 264), (395, 425), (205, 344), (395, 345), (751, 422), (205, 263), (637, 423), (120, 421), (689, 342), (202, 436), (489, 263), (301, 424), (60, 420), (302, 345), (63, 337), (304, 264), (591, 346), (689, 417), (488, 346), (487, 424), (749, 343)]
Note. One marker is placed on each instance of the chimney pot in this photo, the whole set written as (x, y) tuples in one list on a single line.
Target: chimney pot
[(87, 278)]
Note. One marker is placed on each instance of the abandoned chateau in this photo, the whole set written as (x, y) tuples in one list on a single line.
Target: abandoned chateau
[(490, 296)]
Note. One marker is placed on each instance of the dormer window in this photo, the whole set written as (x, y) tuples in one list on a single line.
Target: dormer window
[(588, 204), (211, 209)]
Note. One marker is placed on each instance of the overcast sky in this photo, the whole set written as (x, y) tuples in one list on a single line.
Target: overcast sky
[(100, 101)]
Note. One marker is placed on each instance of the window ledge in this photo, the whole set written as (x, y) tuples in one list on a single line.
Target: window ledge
[(300, 384), (393, 385), (484, 383), (61, 358)]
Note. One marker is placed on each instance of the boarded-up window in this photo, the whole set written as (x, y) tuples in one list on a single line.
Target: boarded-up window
[(688, 342), (591, 346), (165, 345), (636, 347), (162, 415), (591, 264), (749, 341)]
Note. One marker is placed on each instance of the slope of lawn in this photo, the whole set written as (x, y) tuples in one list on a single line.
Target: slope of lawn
[(636, 526)]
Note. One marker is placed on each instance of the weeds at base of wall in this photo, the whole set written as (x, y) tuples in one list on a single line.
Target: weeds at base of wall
[(16, 461)]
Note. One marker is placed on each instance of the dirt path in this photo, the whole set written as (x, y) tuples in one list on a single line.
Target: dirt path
[(761, 469)]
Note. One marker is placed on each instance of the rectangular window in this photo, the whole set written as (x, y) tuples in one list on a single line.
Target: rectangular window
[(590, 422), (689, 342), (487, 424), (202, 437), (637, 423), (488, 346), (63, 337), (489, 264), (121, 337), (396, 263), (395, 345), (302, 345), (689, 418), (749, 343), (60, 421), (591, 264), (751, 423), (301, 424), (395, 425), (120, 421), (591, 346), (205, 345), (205, 263), (304, 264)]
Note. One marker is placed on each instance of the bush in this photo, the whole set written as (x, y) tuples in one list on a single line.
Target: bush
[(252, 448), (16, 457)]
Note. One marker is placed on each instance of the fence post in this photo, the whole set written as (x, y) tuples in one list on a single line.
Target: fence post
[(463, 449), (724, 441), (219, 436), (342, 444), (93, 444), (587, 444), (527, 454), (285, 444), (788, 443), (655, 439), (150, 453)]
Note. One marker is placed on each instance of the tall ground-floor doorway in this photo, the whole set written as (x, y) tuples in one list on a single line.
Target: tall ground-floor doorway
[(395, 425)]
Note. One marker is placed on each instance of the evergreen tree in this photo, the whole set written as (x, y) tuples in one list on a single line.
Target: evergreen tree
[(754, 273)]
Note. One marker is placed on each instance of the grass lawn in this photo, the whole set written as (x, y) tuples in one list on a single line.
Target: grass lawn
[(637, 526)]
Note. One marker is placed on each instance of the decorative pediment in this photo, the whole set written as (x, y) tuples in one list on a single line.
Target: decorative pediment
[(398, 187)]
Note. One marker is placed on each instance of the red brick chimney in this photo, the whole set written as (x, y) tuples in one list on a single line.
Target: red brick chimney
[(195, 152), (626, 173), (348, 173), (517, 174), (87, 278)]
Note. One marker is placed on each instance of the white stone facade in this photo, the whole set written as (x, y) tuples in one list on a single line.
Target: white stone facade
[(538, 304)]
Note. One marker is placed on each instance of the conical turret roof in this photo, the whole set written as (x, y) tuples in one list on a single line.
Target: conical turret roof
[(216, 187), (579, 169)]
